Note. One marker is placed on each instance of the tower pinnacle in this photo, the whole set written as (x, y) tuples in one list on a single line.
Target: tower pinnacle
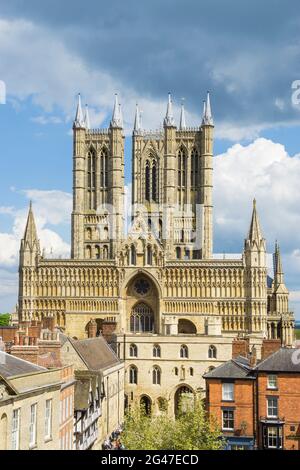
[(207, 119), (182, 124), (137, 119), (255, 230), (169, 119), (30, 246), (79, 120), (116, 120)]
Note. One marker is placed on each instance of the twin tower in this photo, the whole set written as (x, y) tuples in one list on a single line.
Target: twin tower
[(171, 185)]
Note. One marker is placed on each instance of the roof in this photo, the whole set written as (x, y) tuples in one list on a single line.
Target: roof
[(283, 360), (237, 368), (96, 353), (11, 366), (86, 382)]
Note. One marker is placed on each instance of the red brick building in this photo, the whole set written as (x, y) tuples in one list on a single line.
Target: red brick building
[(257, 405), (278, 400), (229, 399)]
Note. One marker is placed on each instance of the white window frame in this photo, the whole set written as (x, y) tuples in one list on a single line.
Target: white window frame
[(15, 434), (276, 436), (48, 419), (33, 426), (271, 407), (227, 411), (228, 391), (272, 382)]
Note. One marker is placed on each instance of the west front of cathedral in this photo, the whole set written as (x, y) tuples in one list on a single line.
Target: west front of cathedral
[(169, 307)]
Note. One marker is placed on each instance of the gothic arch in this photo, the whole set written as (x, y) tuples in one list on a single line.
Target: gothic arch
[(141, 288)]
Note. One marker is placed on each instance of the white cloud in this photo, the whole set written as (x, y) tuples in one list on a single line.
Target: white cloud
[(8, 284), (263, 170), (43, 120), (57, 75)]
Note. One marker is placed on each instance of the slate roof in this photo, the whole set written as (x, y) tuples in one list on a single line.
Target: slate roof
[(11, 366), (283, 360), (237, 368), (96, 353)]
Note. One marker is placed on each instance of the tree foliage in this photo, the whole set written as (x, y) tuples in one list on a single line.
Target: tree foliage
[(4, 319), (191, 430)]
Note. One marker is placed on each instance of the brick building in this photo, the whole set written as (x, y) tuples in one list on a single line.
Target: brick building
[(38, 343), (278, 400), (229, 399), (29, 405), (257, 405)]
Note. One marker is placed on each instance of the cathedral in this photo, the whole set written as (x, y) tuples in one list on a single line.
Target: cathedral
[(170, 308)]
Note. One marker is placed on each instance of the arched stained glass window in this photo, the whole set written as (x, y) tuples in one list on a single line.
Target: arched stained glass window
[(194, 168), (156, 375), (184, 352), (141, 319), (154, 182), (133, 375), (133, 350), (147, 181)]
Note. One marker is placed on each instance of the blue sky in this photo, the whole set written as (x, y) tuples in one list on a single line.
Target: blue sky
[(245, 53)]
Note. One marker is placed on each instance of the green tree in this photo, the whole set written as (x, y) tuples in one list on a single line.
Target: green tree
[(4, 319), (190, 431)]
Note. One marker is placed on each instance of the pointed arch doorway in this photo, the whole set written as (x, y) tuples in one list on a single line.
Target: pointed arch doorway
[(183, 399), (145, 403)]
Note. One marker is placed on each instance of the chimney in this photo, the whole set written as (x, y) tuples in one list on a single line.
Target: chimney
[(253, 357), (240, 347), (108, 330), (49, 323), (269, 346), (92, 328), (8, 333), (50, 347), (28, 353)]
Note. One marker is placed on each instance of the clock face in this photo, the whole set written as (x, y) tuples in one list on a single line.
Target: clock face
[(142, 287)]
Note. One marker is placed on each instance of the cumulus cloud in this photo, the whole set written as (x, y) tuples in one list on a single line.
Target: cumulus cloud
[(261, 170)]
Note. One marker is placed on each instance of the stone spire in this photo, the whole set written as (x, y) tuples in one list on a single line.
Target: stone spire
[(182, 124), (79, 120), (121, 115), (169, 119), (30, 246), (255, 244), (30, 235), (87, 118), (255, 233), (116, 120), (278, 272), (137, 119), (207, 119)]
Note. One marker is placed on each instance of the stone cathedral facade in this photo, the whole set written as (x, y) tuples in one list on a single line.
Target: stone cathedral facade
[(171, 308)]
